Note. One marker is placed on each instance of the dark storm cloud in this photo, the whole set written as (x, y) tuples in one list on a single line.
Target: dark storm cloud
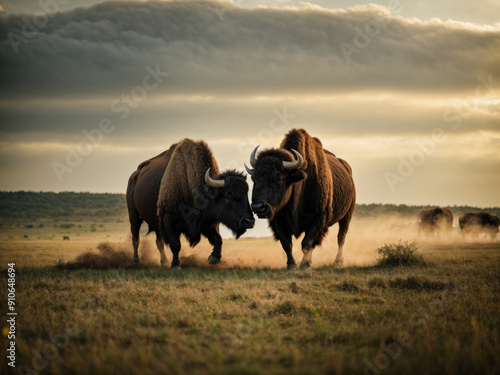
[(105, 49), (341, 116)]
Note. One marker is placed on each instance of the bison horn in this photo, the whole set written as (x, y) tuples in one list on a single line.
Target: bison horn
[(249, 170), (294, 164), (213, 183), (253, 158)]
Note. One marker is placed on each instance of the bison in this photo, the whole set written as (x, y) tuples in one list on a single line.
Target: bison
[(302, 188), (474, 223), (174, 193), (435, 221)]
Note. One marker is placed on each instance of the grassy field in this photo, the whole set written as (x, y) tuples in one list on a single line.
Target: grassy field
[(249, 315)]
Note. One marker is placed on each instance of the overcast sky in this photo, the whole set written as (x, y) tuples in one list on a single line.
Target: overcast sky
[(408, 92)]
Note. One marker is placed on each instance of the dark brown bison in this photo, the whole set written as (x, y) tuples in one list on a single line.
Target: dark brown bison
[(475, 223), (436, 221), (175, 194), (302, 188)]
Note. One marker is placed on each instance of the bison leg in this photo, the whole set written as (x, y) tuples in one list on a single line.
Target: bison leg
[(216, 241), (161, 248), (287, 246), (175, 247), (308, 243), (343, 228), (135, 226)]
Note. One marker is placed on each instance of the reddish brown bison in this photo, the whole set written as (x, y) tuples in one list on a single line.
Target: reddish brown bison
[(436, 221), (302, 188), (475, 223), (175, 194)]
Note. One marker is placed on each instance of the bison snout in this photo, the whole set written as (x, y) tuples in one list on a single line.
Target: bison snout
[(247, 222), (262, 209)]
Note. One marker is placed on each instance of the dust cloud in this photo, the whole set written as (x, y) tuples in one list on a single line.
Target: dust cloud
[(365, 236), (108, 255)]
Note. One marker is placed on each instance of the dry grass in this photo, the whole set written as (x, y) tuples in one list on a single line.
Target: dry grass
[(249, 315)]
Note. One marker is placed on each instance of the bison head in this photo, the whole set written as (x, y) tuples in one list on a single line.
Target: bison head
[(273, 174), (228, 194)]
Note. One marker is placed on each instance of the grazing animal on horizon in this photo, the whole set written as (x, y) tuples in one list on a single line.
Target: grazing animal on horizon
[(174, 193), (302, 188), (474, 223), (435, 221), (65, 238)]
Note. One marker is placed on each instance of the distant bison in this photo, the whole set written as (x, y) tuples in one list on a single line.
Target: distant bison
[(302, 188), (474, 223), (65, 238), (175, 194), (435, 221)]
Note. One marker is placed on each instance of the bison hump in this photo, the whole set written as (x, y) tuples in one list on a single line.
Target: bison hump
[(185, 175)]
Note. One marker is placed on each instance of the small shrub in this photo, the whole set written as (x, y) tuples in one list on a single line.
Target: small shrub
[(400, 254)]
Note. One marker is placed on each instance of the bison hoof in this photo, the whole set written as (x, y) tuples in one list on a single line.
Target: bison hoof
[(305, 265), (339, 262), (213, 259), (291, 266), (176, 267), (136, 260)]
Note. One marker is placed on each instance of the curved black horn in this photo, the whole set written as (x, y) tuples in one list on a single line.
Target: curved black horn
[(253, 159), (213, 183), (249, 170)]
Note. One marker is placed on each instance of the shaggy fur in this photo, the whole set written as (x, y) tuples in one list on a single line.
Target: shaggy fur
[(436, 220), (475, 223), (169, 193), (317, 196), (185, 175)]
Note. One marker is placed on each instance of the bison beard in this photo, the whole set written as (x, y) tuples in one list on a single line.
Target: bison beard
[(175, 194), (302, 188)]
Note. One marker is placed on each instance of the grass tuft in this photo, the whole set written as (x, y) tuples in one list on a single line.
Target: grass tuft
[(284, 308), (418, 283), (294, 288), (347, 286), (377, 282), (401, 254)]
